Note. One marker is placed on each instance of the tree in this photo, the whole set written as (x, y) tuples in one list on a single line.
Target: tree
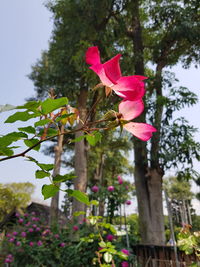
[(14, 196), (149, 32)]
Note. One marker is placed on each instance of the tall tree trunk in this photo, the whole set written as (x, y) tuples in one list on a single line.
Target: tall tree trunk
[(148, 180), (80, 183), (58, 149)]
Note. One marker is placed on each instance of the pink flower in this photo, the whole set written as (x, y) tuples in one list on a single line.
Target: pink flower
[(39, 243), (15, 233), (11, 240), (23, 234), (34, 226), (128, 202), (120, 180), (127, 87), (37, 229), (31, 244), (8, 235), (110, 237), (75, 228), (25, 214), (125, 264), (62, 244), (9, 258), (125, 251), (20, 220), (18, 243), (17, 214), (30, 230), (130, 110), (28, 223), (110, 188), (95, 189), (56, 236)]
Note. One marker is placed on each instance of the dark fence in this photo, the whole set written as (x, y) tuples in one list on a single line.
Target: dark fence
[(162, 256)]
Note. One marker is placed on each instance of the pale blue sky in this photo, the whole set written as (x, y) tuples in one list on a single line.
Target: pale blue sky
[(25, 28)]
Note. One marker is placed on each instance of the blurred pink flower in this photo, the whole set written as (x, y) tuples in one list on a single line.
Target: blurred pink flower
[(128, 202), (62, 244), (28, 223), (125, 251), (95, 189), (125, 264), (23, 234), (75, 228), (37, 229), (17, 214), (56, 236), (15, 233), (110, 188), (30, 230), (120, 180), (20, 220), (39, 243), (11, 240), (18, 243), (110, 237), (31, 244)]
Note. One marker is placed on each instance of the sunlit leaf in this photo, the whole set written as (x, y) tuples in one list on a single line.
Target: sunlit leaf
[(62, 178), (45, 167), (41, 174), (6, 140), (42, 122), (49, 190), (78, 213), (32, 142), (21, 116), (31, 105), (80, 196), (50, 105), (28, 129), (107, 257)]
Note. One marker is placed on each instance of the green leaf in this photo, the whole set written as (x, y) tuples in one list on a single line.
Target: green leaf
[(32, 142), (50, 105), (102, 244), (21, 116), (28, 129), (49, 190), (45, 167), (63, 117), (94, 202), (62, 178), (42, 122), (107, 257), (6, 140), (6, 151), (94, 138), (41, 174), (78, 213), (31, 105), (6, 107), (78, 139), (80, 196), (50, 132)]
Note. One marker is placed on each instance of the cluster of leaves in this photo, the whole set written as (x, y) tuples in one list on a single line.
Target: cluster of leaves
[(189, 241)]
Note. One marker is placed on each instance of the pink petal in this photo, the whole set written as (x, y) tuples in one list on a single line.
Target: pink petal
[(129, 87), (99, 70), (92, 56), (142, 131), (140, 78), (131, 109), (112, 69)]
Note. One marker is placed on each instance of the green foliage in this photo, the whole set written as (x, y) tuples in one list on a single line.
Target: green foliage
[(14, 196)]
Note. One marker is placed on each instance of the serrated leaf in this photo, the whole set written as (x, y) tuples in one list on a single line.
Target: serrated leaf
[(50, 105), (6, 107), (42, 122), (80, 196), (49, 190), (62, 178), (21, 116), (78, 213), (107, 257), (41, 174), (32, 142), (28, 129)]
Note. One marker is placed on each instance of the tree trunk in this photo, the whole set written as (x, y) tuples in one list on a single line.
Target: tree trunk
[(148, 181), (80, 183), (54, 211)]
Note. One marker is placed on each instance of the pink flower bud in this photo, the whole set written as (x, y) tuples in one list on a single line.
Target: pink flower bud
[(128, 202), (62, 244), (15, 233), (20, 220), (75, 228), (30, 230), (95, 189), (23, 234), (110, 188), (39, 243), (18, 243), (11, 240), (31, 244)]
